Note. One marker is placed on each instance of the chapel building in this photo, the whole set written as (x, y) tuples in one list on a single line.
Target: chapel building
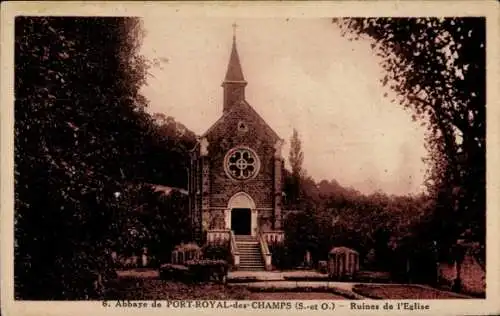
[(236, 170)]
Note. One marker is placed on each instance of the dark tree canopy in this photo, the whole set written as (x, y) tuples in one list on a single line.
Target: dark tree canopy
[(437, 68), (83, 146)]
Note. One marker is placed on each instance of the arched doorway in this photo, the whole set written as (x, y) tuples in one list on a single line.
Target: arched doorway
[(241, 214), (241, 221)]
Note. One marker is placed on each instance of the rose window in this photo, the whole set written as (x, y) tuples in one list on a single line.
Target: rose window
[(241, 163)]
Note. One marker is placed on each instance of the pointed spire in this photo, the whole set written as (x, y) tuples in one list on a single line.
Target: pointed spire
[(234, 82), (234, 72)]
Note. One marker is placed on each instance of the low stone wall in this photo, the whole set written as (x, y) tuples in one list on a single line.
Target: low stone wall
[(473, 276)]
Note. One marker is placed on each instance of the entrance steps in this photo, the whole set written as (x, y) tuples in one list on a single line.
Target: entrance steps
[(250, 254)]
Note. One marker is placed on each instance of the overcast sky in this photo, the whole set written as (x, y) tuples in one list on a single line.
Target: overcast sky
[(301, 73)]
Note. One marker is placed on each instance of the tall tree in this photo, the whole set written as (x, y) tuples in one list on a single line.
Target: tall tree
[(437, 68), (296, 158), (79, 123), (168, 152)]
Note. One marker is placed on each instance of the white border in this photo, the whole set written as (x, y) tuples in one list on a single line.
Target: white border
[(256, 9)]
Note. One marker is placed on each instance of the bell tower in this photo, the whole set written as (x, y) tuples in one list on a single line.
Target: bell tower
[(234, 83)]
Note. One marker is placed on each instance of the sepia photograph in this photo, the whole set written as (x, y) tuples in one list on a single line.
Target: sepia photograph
[(197, 160)]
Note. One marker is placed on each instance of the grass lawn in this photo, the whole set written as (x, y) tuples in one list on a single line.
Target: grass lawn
[(155, 289), (395, 291), (129, 288)]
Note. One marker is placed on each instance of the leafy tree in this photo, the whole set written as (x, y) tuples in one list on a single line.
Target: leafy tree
[(437, 68), (84, 147), (387, 227), (79, 123), (296, 158), (167, 153), (167, 223), (296, 155)]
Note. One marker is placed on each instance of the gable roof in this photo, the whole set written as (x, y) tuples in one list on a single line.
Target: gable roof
[(235, 108)]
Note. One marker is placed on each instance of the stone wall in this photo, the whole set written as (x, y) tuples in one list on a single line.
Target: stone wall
[(473, 276), (258, 137), (210, 186)]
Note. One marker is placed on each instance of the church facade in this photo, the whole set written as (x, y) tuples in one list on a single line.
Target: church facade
[(236, 170)]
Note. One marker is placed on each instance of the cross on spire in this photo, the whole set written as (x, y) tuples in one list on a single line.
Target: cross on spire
[(234, 72), (234, 31), (234, 82)]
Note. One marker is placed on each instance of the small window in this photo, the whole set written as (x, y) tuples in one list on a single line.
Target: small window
[(242, 127), (224, 144)]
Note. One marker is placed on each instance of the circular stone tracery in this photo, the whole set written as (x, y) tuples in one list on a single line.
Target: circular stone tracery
[(241, 163)]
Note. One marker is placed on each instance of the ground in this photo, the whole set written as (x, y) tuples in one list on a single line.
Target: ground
[(402, 292), (144, 284), (155, 289), (294, 296)]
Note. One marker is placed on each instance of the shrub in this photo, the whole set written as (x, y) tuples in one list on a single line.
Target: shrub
[(208, 270), (220, 251), (280, 259), (174, 272), (188, 247), (127, 262), (323, 266), (370, 261), (185, 252), (155, 262), (373, 277)]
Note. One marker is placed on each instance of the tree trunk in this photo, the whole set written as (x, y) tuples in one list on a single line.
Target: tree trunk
[(457, 284)]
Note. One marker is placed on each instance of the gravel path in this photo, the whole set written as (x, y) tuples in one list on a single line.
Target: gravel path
[(295, 296)]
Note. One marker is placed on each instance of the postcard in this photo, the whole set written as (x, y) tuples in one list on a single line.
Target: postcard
[(255, 157)]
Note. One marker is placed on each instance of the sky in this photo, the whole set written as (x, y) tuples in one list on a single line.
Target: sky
[(301, 74)]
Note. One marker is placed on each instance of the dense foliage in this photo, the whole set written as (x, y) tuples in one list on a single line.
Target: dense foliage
[(437, 68), (149, 219), (375, 225), (83, 142)]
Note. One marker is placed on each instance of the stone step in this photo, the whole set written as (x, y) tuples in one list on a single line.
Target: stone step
[(238, 239), (248, 249), (253, 258), (251, 263), (254, 268), (250, 255)]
